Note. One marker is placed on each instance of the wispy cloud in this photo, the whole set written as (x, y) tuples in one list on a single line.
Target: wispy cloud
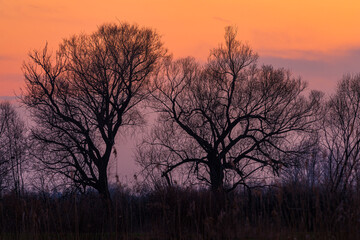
[(11, 77), (8, 98), (221, 19), (15, 9), (7, 58), (45, 8), (312, 55), (321, 70)]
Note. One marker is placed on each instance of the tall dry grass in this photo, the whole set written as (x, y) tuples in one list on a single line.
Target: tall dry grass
[(284, 212)]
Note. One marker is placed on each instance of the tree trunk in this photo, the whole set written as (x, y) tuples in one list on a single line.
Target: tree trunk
[(216, 174), (217, 188), (103, 189)]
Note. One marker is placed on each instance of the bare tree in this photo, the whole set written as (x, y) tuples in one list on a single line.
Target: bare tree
[(341, 131), (13, 147), (228, 121), (81, 98), (306, 168)]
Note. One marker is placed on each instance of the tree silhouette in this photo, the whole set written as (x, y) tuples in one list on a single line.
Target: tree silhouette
[(81, 98), (226, 121), (341, 135), (13, 147)]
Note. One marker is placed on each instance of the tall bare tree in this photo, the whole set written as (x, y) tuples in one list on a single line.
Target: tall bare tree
[(228, 120), (13, 147), (82, 97), (341, 131)]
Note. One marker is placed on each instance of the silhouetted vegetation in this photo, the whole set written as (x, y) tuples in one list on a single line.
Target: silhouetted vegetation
[(13, 149), (281, 212), (227, 121), (82, 97), (236, 151)]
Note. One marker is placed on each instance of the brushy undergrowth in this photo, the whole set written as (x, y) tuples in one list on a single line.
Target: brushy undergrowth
[(282, 212)]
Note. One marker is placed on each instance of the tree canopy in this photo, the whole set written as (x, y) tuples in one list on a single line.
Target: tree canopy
[(228, 119), (82, 96)]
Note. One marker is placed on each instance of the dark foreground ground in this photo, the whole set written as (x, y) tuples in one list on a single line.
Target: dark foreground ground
[(286, 212)]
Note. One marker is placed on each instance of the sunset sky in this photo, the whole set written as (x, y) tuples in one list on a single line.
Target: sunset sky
[(319, 40)]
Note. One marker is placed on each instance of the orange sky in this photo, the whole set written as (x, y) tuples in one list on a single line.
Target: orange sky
[(319, 40)]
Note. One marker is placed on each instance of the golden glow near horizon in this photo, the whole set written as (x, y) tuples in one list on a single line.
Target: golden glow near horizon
[(307, 30)]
